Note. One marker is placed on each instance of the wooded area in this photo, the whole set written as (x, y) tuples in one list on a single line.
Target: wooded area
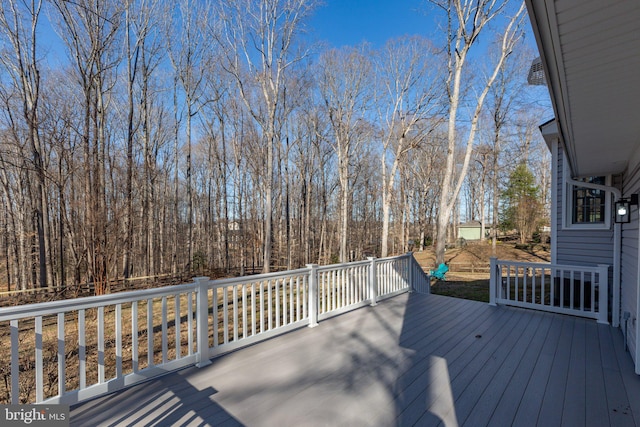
[(169, 137)]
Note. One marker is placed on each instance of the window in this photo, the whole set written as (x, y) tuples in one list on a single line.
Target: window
[(589, 206), (586, 207)]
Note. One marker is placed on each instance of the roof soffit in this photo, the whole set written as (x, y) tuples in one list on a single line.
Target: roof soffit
[(591, 54)]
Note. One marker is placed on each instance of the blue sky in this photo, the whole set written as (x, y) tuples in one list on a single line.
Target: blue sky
[(350, 22)]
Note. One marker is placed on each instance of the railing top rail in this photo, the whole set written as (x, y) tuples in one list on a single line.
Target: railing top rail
[(506, 263), (345, 265), (54, 307), (509, 263), (258, 277), (393, 258), (363, 262)]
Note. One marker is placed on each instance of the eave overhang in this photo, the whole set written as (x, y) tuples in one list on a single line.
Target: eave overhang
[(590, 50)]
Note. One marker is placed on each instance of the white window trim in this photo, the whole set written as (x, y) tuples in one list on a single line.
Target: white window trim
[(567, 204)]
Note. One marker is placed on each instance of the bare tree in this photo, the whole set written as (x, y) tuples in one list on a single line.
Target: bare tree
[(265, 158), (188, 53), (406, 94), (343, 83), (141, 51), (153, 130), (89, 29), (258, 38), (483, 158), (426, 166), (465, 22), (13, 179), (19, 24), (216, 120), (503, 101)]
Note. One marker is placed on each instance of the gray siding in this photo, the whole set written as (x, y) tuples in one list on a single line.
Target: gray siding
[(629, 258), (559, 182), (585, 247), (579, 246)]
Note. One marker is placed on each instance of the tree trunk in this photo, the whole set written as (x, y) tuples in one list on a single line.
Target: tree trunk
[(176, 214), (189, 191), (268, 205), (129, 184)]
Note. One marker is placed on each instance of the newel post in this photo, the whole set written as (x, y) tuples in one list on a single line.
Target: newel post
[(603, 294), (202, 322), (493, 280), (313, 295), (373, 281)]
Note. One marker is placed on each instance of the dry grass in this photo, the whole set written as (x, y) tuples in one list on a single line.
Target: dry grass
[(475, 256)]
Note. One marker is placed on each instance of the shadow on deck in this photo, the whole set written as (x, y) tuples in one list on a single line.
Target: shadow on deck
[(411, 360)]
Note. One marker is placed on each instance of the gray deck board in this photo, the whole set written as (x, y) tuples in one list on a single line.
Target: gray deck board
[(529, 407), (411, 360), (629, 378), (596, 408), (434, 400), (507, 407), (554, 392), (619, 407), (486, 404), (474, 362), (574, 409)]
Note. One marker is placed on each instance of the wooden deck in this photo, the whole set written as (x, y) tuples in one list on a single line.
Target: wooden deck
[(411, 360)]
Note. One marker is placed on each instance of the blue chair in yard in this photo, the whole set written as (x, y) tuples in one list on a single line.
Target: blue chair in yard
[(439, 272)]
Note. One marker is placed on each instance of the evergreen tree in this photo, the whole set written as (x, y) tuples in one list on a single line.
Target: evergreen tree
[(521, 203)]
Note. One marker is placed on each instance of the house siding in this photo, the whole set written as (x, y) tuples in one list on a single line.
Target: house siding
[(579, 246), (629, 259), (585, 248)]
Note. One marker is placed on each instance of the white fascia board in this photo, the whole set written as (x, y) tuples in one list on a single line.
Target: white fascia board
[(545, 29)]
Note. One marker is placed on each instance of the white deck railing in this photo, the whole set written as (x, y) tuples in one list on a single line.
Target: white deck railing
[(576, 290), (69, 351)]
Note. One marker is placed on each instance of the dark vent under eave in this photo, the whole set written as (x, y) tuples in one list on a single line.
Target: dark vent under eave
[(536, 73)]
